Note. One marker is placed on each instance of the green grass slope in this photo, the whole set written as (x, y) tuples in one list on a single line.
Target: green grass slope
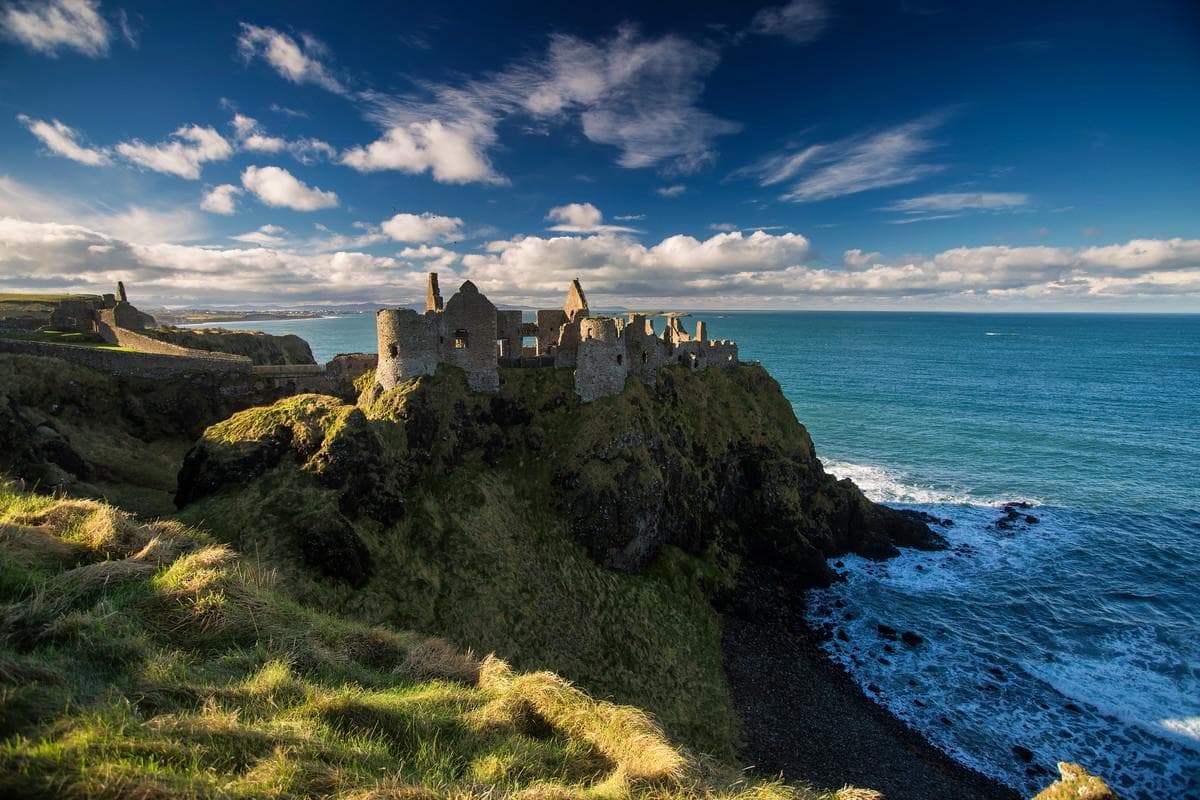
[(147, 660)]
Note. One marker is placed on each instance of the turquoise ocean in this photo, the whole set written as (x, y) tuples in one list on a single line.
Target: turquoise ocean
[(1072, 638)]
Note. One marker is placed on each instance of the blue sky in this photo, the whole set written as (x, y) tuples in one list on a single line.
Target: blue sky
[(808, 154)]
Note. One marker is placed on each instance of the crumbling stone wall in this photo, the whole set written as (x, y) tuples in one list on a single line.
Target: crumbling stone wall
[(468, 332), (469, 337), (508, 333)]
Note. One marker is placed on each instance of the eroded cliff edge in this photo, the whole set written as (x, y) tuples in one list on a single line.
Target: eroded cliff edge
[(594, 539)]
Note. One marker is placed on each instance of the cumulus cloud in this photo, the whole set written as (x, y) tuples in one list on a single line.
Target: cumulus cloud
[(48, 27), (857, 259), (726, 269), (65, 141), (892, 157), (639, 95), (78, 258), (265, 235), (424, 227), (617, 265), (277, 187), (221, 199), (582, 218), (452, 152), (183, 154), (800, 21), (253, 137), (435, 257), (298, 62)]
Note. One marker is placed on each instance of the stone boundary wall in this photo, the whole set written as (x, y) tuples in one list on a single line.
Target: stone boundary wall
[(288, 369), (146, 344), (117, 362)]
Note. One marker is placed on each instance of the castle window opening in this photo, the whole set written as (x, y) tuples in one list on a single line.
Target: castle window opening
[(645, 357), (460, 339), (393, 351), (620, 359)]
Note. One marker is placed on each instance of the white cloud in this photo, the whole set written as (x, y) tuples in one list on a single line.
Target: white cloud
[(582, 218), (277, 187), (629, 217), (221, 199), (639, 95), (764, 269), (422, 227), (960, 201), (48, 27), (133, 223), (190, 146), (857, 259), (857, 164), (722, 227), (800, 21), (64, 141), (371, 235), (616, 265), (296, 62), (452, 152), (671, 191), (265, 235), (435, 257), (726, 270), (288, 112), (252, 137)]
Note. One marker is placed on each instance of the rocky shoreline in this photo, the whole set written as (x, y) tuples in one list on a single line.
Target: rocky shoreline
[(804, 717)]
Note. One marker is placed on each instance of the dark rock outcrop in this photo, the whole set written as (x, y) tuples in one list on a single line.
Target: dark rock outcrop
[(702, 461)]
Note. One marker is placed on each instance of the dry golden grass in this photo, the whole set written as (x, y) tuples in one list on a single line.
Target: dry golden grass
[(626, 735)]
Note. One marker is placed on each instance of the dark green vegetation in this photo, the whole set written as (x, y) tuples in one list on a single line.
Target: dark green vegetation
[(496, 521), (304, 627), (262, 348), (64, 427)]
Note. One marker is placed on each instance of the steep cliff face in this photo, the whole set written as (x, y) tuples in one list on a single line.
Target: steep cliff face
[(701, 460), (70, 429), (501, 521)]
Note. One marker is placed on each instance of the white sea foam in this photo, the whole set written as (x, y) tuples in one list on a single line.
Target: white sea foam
[(1120, 680), (979, 685), (885, 485)]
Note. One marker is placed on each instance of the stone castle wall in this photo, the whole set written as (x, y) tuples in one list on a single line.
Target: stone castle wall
[(469, 333)]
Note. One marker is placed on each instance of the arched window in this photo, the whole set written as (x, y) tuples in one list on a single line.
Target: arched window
[(393, 350), (460, 339)]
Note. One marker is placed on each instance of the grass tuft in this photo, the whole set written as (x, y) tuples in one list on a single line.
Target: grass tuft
[(142, 660)]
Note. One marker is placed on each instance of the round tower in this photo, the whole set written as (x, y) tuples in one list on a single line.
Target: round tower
[(407, 343)]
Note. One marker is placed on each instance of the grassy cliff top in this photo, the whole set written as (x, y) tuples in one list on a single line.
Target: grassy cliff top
[(146, 660)]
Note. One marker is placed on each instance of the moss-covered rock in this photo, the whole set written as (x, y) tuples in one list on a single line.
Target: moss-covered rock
[(518, 505), (1076, 784)]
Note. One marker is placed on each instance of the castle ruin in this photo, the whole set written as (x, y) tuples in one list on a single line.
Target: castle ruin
[(469, 332)]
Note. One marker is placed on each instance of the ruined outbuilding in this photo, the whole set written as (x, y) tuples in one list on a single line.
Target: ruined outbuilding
[(468, 332)]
